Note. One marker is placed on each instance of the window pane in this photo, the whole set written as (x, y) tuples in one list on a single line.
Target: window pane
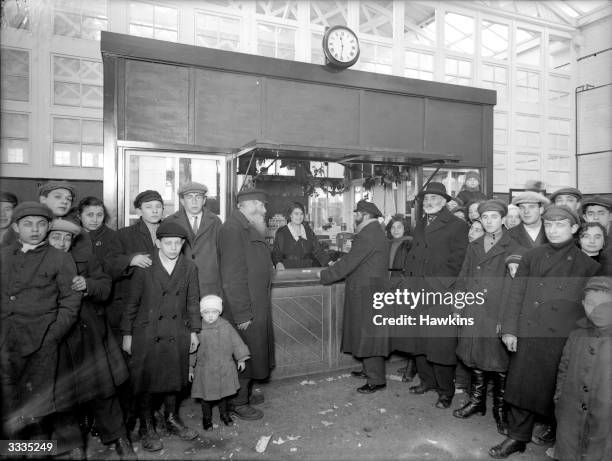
[(15, 151), (167, 35), (500, 130), (66, 129), (15, 125), (528, 45), (166, 18), (278, 8), (142, 13), (15, 62), (141, 31), (559, 90), (494, 40), (328, 13), (459, 33), (66, 154), (16, 14), (376, 18), (15, 88), (92, 132), (92, 156), (67, 94), (559, 53), (66, 69), (419, 24), (316, 52)]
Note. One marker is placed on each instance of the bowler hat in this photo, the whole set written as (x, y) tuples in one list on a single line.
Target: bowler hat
[(435, 188), (52, 185), (31, 209), (368, 207), (194, 187), (566, 191), (252, 194), (147, 196), (170, 229)]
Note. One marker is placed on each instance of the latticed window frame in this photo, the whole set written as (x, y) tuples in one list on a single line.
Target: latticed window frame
[(27, 140), (156, 28), (83, 15), (80, 143), (78, 81), (27, 76), (201, 12)]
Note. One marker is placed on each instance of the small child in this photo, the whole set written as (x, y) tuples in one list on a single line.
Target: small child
[(213, 370), (583, 397)]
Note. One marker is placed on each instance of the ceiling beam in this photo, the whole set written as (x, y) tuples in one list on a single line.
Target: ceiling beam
[(599, 13)]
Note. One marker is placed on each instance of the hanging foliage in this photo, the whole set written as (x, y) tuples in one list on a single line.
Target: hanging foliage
[(311, 182), (388, 176)]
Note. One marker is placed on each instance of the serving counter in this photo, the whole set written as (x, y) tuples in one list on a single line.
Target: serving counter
[(307, 320)]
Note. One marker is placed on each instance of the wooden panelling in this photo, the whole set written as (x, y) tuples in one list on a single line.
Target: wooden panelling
[(303, 113), (455, 128), (227, 108), (156, 102), (391, 121)]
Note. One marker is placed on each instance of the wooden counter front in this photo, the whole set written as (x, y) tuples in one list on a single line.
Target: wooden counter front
[(307, 319)]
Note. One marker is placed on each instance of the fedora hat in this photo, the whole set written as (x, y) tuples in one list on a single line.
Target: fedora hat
[(435, 188)]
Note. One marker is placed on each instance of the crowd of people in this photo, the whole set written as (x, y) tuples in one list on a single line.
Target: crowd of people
[(104, 331)]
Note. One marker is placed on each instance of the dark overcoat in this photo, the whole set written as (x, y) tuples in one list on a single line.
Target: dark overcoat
[(298, 253), (202, 249), (215, 374), (480, 345), (246, 270), (583, 399), (8, 238), (605, 259), (38, 308), (365, 269), (432, 265), (101, 245), (161, 313), (543, 307), (520, 235)]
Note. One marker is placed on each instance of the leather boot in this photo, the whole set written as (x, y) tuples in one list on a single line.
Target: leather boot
[(148, 437), (478, 396), (206, 423), (124, 448), (410, 370), (506, 448), (500, 410), (227, 419), (176, 426)]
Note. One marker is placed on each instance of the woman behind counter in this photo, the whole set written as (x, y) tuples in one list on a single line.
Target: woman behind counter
[(295, 245)]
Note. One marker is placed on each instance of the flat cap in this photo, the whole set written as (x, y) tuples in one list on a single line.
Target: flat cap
[(147, 196), (194, 187), (597, 200), (8, 197), (252, 194), (65, 225), (566, 191), (435, 188), (493, 205), (31, 209), (599, 283), (368, 207), (170, 229), (52, 185), (530, 197), (560, 212)]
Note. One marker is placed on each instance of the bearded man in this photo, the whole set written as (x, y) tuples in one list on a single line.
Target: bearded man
[(245, 265)]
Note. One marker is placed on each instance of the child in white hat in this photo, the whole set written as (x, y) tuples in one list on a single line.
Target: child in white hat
[(220, 353)]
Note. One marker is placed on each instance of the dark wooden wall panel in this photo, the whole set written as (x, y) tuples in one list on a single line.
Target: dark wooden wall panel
[(455, 128), (227, 108), (303, 113), (391, 121), (156, 102)]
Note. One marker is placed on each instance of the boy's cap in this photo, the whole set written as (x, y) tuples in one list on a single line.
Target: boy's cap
[(170, 229), (31, 209), (147, 196), (252, 194), (65, 225), (52, 185), (368, 207), (493, 205), (194, 187), (566, 191), (598, 200), (472, 175), (530, 197), (8, 197), (560, 212), (599, 283), (211, 302), (515, 258)]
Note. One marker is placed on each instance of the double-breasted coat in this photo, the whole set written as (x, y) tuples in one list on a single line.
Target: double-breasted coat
[(480, 345), (215, 374), (38, 308), (522, 237), (583, 397), (365, 269), (246, 270), (543, 308), (432, 265), (101, 245), (161, 313), (201, 248)]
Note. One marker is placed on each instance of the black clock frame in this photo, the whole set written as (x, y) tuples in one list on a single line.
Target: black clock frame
[(329, 59)]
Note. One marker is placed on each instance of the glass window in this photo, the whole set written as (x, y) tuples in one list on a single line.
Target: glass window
[(559, 90), (80, 18), (419, 24), (500, 128), (77, 82), (217, 31), (496, 78), (316, 49), (495, 42), (526, 167), (418, 65), (77, 142), (459, 33), (15, 130), (153, 21), (15, 74), (559, 133), (558, 169), (528, 46), (275, 41), (328, 13), (500, 167), (15, 14), (559, 53), (527, 86), (375, 57), (527, 133), (376, 18), (278, 8), (458, 71)]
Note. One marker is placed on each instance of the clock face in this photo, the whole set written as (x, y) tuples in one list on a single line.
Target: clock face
[(341, 46)]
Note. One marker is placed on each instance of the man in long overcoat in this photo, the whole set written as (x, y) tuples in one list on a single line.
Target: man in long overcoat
[(433, 263), (202, 227), (530, 232), (365, 269), (246, 269), (543, 307)]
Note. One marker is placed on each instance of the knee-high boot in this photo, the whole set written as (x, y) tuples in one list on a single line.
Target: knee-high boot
[(500, 410), (478, 396)]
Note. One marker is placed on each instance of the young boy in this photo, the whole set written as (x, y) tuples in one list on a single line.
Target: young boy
[(159, 327), (214, 372), (38, 307), (8, 202), (583, 397)]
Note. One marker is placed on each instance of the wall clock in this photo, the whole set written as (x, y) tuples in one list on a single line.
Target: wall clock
[(340, 46)]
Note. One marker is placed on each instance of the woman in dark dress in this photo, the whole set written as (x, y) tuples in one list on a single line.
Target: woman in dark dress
[(295, 245)]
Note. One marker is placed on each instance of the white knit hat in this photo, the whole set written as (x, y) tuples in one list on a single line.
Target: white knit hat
[(211, 302)]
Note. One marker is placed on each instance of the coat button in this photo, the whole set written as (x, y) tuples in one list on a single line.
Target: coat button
[(13, 298), (161, 317), (163, 293), (192, 256), (174, 316), (584, 406), (477, 267), (585, 389), (591, 350), (157, 339), (536, 304)]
